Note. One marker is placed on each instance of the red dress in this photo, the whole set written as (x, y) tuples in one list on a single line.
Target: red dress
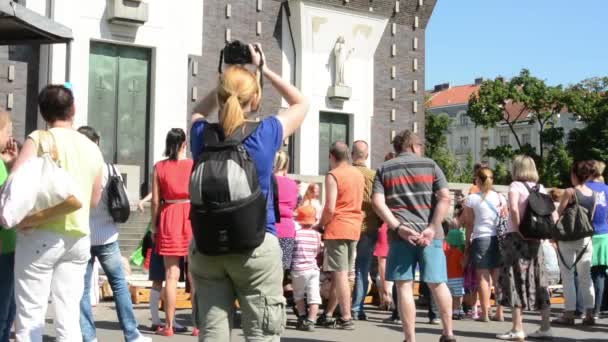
[(174, 229)]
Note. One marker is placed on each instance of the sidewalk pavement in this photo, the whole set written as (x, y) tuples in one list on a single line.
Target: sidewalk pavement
[(372, 330)]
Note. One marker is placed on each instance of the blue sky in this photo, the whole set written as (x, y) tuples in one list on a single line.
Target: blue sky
[(561, 41)]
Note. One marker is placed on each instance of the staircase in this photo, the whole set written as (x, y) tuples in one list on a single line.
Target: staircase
[(133, 231)]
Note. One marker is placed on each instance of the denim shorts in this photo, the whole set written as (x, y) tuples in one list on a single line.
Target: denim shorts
[(403, 258), (484, 252)]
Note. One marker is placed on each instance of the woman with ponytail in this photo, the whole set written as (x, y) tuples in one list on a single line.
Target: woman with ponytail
[(171, 226), (482, 212), (255, 278)]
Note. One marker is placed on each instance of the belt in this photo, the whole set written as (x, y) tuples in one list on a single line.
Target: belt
[(177, 201)]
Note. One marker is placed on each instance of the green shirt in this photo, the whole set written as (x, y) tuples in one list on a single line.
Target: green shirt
[(7, 236)]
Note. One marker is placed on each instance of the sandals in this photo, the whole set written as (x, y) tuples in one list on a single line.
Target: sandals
[(563, 320), (444, 338), (589, 320)]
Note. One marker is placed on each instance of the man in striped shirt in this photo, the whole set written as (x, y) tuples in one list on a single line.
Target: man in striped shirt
[(411, 195)]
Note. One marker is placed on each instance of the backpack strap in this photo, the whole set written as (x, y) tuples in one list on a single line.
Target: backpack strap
[(275, 198), (212, 134), (244, 131), (535, 188)]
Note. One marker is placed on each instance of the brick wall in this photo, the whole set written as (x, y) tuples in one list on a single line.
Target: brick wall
[(403, 105), (242, 24)]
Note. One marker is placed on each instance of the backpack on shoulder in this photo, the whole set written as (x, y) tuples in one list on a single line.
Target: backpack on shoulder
[(228, 208), (118, 201), (537, 222)]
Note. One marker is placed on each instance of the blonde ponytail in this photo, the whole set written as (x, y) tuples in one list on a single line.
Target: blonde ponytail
[(486, 179), (238, 88), (232, 116)]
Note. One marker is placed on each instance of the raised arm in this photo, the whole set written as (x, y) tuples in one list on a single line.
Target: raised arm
[(291, 119), (205, 107)]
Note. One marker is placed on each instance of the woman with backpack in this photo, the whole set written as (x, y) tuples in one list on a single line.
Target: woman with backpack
[(575, 256), (522, 278), (599, 261), (482, 213), (222, 270), (171, 228)]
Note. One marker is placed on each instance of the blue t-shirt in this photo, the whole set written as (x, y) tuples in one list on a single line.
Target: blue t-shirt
[(600, 219), (262, 145)]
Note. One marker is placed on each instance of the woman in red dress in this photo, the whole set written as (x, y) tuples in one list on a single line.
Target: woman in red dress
[(171, 210)]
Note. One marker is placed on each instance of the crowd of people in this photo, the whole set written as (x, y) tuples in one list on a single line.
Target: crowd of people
[(318, 253)]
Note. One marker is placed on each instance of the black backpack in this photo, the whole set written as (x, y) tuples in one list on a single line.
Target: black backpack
[(118, 201), (228, 208), (537, 222)]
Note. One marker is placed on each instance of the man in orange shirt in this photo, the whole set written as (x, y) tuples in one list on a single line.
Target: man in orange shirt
[(342, 218)]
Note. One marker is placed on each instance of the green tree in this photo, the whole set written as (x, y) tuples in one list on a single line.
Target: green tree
[(589, 99), (524, 99), (465, 174), (437, 146)]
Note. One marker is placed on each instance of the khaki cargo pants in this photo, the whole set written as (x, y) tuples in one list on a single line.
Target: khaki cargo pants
[(254, 278)]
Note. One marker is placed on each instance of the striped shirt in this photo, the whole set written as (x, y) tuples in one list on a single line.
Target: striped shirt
[(409, 184), (103, 228), (308, 246)]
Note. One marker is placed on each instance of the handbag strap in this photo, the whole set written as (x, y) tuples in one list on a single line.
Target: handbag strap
[(578, 257), (47, 145), (492, 206)]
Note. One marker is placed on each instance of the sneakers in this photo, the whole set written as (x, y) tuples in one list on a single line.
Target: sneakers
[(142, 338), (512, 336), (434, 321), (392, 320), (346, 324), (542, 335)]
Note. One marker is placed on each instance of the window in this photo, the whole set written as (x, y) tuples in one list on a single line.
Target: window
[(485, 144), (464, 120), (464, 141), (504, 140), (525, 138)]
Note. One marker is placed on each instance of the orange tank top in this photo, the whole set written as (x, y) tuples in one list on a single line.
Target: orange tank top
[(348, 216)]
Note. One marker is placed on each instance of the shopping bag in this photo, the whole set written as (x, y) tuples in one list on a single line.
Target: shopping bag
[(39, 191)]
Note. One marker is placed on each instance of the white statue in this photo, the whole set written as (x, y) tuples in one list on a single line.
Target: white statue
[(340, 58)]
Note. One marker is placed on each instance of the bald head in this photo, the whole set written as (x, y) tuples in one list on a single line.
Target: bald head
[(360, 151), (339, 151)]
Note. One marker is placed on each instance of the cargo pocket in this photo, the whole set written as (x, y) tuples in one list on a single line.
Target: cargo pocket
[(274, 319)]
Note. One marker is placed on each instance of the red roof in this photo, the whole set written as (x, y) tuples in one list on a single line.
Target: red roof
[(453, 96), (460, 95)]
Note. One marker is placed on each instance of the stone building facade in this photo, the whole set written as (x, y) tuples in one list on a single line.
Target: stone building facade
[(138, 71)]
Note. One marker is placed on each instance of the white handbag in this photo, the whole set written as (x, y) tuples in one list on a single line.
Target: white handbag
[(40, 191)]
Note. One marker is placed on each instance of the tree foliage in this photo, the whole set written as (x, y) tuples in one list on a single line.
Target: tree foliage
[(589, 99), (437, 146), (524, 99)]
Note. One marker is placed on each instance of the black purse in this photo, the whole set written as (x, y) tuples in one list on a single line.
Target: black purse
[(575, 223)]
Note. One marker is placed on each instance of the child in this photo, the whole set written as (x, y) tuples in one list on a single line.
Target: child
[(454, 253), (304, 269)]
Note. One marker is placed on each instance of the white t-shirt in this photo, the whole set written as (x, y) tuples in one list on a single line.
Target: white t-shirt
[(486, 218)]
